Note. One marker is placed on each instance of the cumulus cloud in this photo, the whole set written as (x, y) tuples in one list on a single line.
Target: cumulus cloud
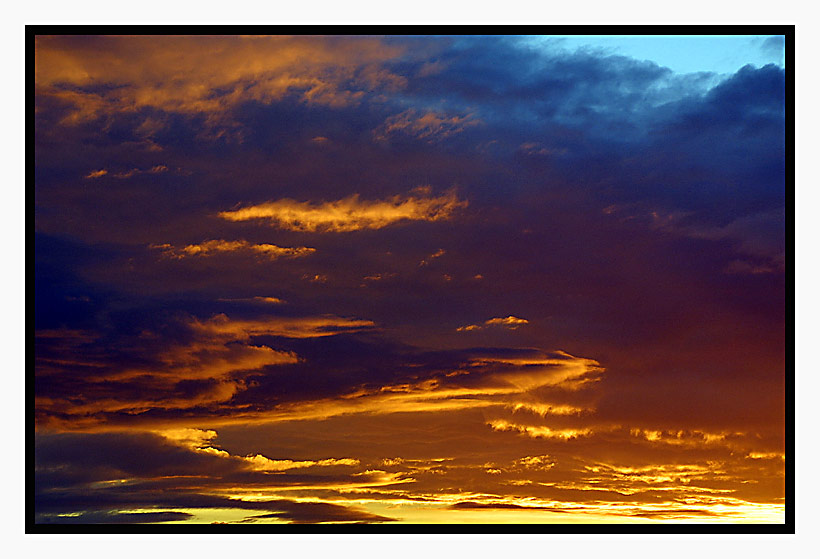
[(351, 213), (214, 246)]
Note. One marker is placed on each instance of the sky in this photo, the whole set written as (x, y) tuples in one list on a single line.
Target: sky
[(409, 279)]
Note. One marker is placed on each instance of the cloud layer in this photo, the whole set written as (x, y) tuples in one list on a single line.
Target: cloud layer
[(405, 279), (349, 214)]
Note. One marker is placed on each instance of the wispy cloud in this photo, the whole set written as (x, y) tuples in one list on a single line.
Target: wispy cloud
[(351, 213), (215, 246), (509, 322), (287, 327), (257, 299), (430, 125), (208, 366), (439, 253), (201, 440), (129, 173)]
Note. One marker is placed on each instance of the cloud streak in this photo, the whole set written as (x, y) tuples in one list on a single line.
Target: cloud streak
[(509, 322), (429, 126), (215, 246), (349, 214)]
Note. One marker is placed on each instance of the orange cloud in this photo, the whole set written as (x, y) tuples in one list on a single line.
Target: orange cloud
[(430, 126), (207, 74), (506, 387), (287, 327), (96, 174), (201, 440), (440, 252), (258, 299), (349, 214), (539, 431), (510, 322), (211, 247)]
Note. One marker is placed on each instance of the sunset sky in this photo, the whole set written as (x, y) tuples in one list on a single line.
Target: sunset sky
[(409, 279)]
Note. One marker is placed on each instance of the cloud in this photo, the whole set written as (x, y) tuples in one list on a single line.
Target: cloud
[(380, 276), (205, 369), (288, 327), (113, 517), (208, 248), (473, 379), (667, 401), (774, 45), (199, 440), (147, 477), (349, 214), (760, 235), (440, 252), (101, 76), (265, 464), (258, 299), (429, 126), (128, 174), (510, 323), (539, 431), (307, 512)]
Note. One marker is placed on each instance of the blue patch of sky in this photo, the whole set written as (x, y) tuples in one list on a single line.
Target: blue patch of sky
[(680, 53)]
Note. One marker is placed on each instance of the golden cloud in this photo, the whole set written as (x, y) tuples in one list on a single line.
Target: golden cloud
[(510, 322), (351, 213), (96, 174), (287, 327), (539, 431), (214, 246), (201, 440), (440, 252), (207, 74), (502, 388), (430, 125), (218, 357)]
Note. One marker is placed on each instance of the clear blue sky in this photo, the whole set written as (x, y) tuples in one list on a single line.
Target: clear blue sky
[(684, 54)]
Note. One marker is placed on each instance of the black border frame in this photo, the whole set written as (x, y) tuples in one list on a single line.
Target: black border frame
[(423, 30)]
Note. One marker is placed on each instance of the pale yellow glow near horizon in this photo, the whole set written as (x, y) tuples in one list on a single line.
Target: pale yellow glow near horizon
[(408, 512)]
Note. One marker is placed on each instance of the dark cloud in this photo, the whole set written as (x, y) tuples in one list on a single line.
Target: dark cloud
[(111, 517), (320, 512), (78, 472)]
